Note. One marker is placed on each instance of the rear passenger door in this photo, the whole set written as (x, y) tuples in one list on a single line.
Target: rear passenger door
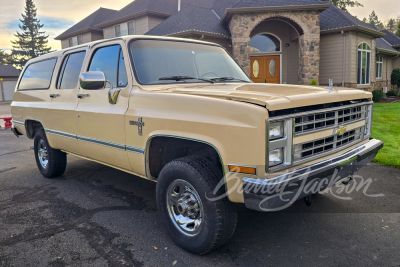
[(101, 125), (62, 114)]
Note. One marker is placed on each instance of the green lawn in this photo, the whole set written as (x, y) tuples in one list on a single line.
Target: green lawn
[(386, 127)]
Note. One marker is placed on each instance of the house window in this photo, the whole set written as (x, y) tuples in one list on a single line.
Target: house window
[(117, 30), (131, 29), (265, 43), (79, 39), (70, 42), (364, 64), (379, 67)]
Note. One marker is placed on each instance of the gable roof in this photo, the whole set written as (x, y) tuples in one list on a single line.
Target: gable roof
[(161, 7), (383, 46), (191, 19), (9, 71), (164, 8), (88, 23), (273, 3), (392, 38), (242, 6), (335, 18)]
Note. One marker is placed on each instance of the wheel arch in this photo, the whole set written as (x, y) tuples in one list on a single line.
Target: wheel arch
[(191, 145), (32, 126)]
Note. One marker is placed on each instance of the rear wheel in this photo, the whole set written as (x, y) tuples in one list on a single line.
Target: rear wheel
[(51, 162), (185, 203)]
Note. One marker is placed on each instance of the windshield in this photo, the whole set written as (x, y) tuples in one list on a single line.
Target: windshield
[(161, 61)]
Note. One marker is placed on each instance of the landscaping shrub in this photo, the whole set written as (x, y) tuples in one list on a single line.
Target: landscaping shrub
[(313, 82), (377, 95), (392, 93), (395, 78)]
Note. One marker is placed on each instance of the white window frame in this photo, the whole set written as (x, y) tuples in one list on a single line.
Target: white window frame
[(379, 67), (79, 41), (367, 51), (119, 30), (70, 42), (133, 27)]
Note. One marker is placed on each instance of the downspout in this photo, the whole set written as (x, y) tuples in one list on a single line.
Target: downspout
[(344, 58), (179, 5)]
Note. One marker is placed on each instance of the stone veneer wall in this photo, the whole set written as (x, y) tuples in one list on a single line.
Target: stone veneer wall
[(241, 26)]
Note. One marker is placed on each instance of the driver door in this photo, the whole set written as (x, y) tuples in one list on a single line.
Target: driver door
[(101, 125)]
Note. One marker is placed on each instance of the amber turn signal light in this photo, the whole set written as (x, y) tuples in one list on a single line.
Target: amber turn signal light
[(242, 169)]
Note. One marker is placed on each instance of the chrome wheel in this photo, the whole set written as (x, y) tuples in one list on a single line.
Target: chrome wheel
[(42, 154), (184, 207)]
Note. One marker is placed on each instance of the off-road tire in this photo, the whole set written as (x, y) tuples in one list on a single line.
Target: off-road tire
[(57, 160), (219, 216)]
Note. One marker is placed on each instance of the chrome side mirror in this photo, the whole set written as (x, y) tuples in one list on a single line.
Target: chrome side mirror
[(92, 80)]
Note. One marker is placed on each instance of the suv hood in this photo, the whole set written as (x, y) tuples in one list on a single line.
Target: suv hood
[(271, 96)]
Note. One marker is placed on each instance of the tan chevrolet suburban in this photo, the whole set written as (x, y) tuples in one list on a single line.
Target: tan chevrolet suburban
[(184, 114)]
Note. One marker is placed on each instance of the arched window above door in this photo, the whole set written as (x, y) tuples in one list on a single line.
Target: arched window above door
[(265, 43)]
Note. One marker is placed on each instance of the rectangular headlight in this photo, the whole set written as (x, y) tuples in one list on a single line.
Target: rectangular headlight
[(275, 157), (275, 130)]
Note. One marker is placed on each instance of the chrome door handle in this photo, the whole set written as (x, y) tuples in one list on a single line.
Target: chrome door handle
[(80, 96), (54, 95)]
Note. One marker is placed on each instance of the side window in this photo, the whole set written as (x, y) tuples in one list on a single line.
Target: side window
[(110, 61), (70, 70), (122, 77), (38, 75)]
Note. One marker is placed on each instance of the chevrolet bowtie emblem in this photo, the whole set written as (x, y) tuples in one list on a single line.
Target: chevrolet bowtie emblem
[(341, 130)]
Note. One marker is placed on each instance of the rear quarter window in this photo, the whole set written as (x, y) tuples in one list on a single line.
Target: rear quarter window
[(38, 75)]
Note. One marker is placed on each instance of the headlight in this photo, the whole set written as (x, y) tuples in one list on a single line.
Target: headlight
[(276, 130), (275, 157)]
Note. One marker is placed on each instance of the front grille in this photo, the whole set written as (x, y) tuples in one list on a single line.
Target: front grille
[(329, 119), (316, 147)]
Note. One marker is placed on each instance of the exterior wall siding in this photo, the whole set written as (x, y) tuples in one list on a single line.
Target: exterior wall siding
[(154, 21), (356, 39), (108, 32), (97, 36), (64, 44), (335, 58), (141, 25)]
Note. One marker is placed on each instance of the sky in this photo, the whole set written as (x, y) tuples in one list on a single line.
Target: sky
[(58, 15)]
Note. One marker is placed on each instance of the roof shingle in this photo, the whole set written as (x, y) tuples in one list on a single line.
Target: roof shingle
[(88, 23), (392, 38), (191, 18), (336, 18), (8, 71)]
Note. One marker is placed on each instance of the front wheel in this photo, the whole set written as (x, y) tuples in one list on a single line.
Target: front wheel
[(185, 203), (51, 162)]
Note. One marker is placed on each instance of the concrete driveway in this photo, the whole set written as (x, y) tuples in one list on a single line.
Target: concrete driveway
[(97, 216)]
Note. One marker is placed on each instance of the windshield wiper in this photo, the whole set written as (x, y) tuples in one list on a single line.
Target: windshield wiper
[(183, 78), (228, 79)]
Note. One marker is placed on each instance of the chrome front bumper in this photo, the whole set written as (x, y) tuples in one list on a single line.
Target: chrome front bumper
[(282, 191)]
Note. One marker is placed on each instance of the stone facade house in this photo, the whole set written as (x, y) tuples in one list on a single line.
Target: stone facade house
[(285, 41)]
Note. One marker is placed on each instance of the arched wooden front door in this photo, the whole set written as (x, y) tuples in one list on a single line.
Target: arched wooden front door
[(265, 69)]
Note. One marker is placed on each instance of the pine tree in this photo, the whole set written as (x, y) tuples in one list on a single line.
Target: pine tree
[(344, 4), (31, 42), (373, 20), (398, 30), (4, 57), (391, 25)]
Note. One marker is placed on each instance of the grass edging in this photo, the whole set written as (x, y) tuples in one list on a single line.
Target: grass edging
[(386, 127)]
